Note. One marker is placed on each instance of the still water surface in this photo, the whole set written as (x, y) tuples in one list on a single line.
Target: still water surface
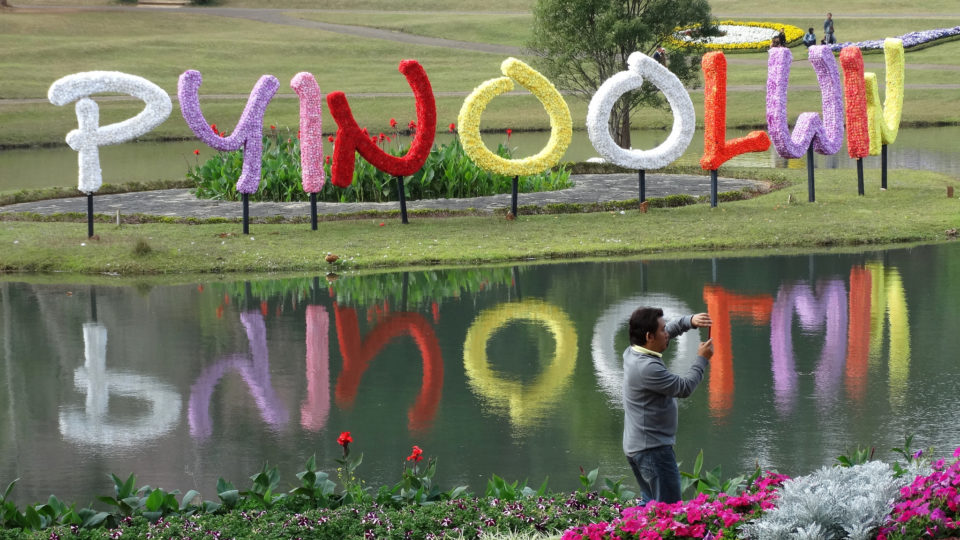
[(916, 148), (513, 370)]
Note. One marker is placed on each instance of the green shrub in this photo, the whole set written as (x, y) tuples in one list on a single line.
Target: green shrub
[(447, 173)]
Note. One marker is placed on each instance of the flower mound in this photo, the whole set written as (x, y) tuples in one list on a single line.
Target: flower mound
[(911, 40), (701, 517), (738, 36), (561, 126), (641, 66), (928, 507)]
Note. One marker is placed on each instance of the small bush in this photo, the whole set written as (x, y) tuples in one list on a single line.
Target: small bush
[(141, 247), (447, 173)]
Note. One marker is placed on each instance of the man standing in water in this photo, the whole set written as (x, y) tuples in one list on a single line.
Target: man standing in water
[(649, 399)]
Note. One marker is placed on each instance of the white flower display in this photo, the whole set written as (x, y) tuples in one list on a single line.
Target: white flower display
[(732, 34), (640, 67), (89, 136)]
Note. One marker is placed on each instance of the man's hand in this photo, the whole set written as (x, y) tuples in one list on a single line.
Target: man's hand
[(706, 349), (700, 320)]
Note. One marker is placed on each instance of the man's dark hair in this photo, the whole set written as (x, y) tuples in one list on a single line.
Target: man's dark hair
[(643, 320)]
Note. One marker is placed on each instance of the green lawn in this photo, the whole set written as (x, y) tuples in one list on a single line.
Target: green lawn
[(838, 218)]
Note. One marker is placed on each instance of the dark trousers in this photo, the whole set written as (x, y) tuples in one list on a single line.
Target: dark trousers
[(657, 474)]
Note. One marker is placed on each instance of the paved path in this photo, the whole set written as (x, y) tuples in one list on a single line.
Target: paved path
[(588, 188)]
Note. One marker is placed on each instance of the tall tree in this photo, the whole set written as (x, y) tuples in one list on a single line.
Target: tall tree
[(581, 43)]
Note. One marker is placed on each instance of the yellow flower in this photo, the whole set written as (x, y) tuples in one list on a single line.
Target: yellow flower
[(561, 126), (884, 122), (792, 33)]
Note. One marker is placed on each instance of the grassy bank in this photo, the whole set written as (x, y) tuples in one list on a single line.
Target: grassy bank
[(915, 208)]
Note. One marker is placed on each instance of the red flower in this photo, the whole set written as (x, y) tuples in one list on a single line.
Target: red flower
[(263, 308), (289, 140), (273, 127), (329, 159), (344, 439), (330, 138), (393, 122), (453, 127), (298, 134), (382, 136), (412, 126), (214, 128), (196, 152), (416, 455), (509, 133)]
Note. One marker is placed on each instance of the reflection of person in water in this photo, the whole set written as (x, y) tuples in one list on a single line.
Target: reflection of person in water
[(649, 399)]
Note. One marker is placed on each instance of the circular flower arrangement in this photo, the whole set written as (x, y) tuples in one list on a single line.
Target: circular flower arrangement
[(561, 126), (737, 36)]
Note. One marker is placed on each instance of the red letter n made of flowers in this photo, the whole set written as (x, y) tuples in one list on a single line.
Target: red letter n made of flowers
[(350, 137)]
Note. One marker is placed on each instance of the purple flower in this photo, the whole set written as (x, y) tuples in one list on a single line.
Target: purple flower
[(249, 131), (825, 135), (910, 39)]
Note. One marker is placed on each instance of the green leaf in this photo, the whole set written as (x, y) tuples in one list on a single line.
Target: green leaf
[(698, 464), (94, 520), (32, 519), (6, 492), (192, 494), (154, 501)]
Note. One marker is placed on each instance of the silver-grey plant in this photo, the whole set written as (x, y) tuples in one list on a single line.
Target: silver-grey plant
[(831, 503)]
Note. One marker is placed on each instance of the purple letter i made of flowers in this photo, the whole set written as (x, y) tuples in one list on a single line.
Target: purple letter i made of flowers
[(249, 131), (826, 135)]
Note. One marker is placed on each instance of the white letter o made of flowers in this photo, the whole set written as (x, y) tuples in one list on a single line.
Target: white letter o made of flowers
[(640, 67), (561, 126)]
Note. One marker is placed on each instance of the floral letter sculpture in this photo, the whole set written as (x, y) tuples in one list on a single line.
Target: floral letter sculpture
[(350, 138), (716, 148), (561, 126), (858, 136), (311, 131), (90, 135), (639, 66), (249, 131), (826, 136), (885, 121)]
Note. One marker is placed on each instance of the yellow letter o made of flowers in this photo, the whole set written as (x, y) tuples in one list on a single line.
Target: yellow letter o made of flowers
[(561, 126)]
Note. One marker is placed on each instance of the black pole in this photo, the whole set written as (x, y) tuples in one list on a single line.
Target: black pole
[(859, 176), (811, 197), (89, 215), (883, 166), (403, 293), (403, 200), (513, 201), (713, 269), (713, 188), (313, 211), (246, 213), (642, 176), (93, 304)]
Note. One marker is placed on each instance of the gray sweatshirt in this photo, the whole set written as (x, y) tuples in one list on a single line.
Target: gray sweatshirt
[(650, 392)]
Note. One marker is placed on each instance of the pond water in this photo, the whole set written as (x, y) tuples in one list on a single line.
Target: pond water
[(506, 370), (33, 168)]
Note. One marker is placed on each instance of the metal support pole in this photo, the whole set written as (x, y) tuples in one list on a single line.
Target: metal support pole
[(642, 174), (713, 188), (811, 197), (859, 176), (403, 200), (516, 187), (313, 211), (89, 215), (246, 213), (883, 166)]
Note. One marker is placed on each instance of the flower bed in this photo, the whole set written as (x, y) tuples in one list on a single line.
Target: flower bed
[(739, 36), (912, 41)]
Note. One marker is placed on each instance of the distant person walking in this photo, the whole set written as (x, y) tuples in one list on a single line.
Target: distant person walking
[(828, 36), (809, 39)]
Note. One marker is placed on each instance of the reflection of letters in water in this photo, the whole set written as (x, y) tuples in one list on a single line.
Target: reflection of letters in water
[(92, 425), (722, 306), (828, 306), (608, 363), (888, 300), (255, 372), (526, 403), (315, 410), (357, 354)]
